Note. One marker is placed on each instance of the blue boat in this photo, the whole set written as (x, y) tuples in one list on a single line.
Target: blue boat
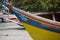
[(32, 19)]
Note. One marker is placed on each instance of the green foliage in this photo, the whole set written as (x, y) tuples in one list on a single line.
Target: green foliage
[(38, 5), (1, 4)]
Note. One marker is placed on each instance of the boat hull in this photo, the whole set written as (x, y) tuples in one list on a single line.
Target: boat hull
[(34, 20), (38, 33), (41, 34)]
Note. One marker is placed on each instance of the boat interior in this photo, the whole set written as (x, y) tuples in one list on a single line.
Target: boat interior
[(50, 16)]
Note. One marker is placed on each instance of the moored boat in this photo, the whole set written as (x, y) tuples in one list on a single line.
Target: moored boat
[(34, 20)]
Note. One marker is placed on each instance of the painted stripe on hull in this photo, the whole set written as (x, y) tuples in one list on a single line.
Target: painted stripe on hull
[(43, 26)]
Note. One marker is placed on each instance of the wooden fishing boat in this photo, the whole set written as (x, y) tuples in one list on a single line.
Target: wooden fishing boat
[(40, 27)]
